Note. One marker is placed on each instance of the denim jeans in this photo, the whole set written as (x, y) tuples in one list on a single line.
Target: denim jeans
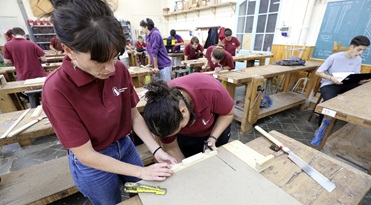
[(103, 187), (165, 74)]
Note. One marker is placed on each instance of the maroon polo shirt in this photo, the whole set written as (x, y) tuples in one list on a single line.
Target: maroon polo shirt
[(210, 99), (226, 61), (81, 107), (231, 45), (25, 56), (191, 52)]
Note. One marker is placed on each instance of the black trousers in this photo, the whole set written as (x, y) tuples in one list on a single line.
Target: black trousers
[(194, 145), (331, 91)]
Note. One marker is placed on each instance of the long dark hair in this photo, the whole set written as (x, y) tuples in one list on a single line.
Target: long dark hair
[(88, 27), (161, 113)]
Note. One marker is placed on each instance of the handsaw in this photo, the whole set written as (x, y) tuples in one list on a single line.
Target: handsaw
[(318, 177)]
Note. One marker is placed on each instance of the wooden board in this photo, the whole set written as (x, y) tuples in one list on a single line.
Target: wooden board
[(221, 179), (351, 184), (351, 142)]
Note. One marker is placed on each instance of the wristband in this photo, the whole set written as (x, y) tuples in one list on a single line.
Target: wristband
[(156, 150), (213, 138)]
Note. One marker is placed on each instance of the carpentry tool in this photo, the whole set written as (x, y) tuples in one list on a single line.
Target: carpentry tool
[(14, 124), (132, 187), (318, 177), (15, 132), (206, 146)]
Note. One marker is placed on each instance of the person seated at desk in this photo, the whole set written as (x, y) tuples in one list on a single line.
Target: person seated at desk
[(231, 43), (140, 46), (193, 50), (187, 112), (331, 86), (56, 45), (218, 59)]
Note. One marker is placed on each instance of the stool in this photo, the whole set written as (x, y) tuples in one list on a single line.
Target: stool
[(181, 72), (33, 97), (314, 108)]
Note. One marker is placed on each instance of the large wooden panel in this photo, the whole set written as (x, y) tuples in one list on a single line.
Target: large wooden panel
[(221, 179)]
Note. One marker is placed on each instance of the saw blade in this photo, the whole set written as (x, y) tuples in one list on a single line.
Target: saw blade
[(318, 177)]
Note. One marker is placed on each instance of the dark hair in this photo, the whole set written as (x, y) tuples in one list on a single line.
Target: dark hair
[(88, 28), (360, 41), (140, 37), (218, 53), (9, 33), (194, 39), (18, 31), (227, 32), (161, 113), (172, 32), (147, 22)]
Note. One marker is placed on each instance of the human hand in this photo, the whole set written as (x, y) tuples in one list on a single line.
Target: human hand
[(204, 66), (156, 172), (59, 52), (162, 156), (211, 141), (365, 81), (218, 69), (155, 70), (336, 80)]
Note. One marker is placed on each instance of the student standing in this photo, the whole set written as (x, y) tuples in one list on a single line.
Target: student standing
[(188, 111), (178, 40), (218, 59), (231, 43), (8, 35), (25, 56), (156, 50), (331, 86), (91, 103)]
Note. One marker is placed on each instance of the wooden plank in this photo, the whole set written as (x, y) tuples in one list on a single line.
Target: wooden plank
[(282, 101), (230, 180), (351, 184), (351, 142), (47, 182)]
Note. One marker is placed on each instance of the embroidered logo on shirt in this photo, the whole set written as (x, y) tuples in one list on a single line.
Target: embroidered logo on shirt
[(207, 121), (117, 91)]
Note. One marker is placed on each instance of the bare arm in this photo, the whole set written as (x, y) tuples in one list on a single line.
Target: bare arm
[(334, 80), (43, 59), (174, 150), (222, 122), (8, 62)]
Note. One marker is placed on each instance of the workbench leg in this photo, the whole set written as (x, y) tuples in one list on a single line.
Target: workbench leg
[(309, 89), (252, 104), (6, 103), (231, 88), (136, 82), (141, 80), (262, 62), (26, 142)]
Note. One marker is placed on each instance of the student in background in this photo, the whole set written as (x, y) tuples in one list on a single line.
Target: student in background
[(56, 45), (193, 50), (331, 86), (140, 46), (231, 43), (24, 55), (9, 35), (91, 103), (156, 50), (188, 111), (178, 40), (218, 59)]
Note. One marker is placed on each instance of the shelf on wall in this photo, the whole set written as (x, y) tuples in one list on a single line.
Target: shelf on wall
[(198, 9)]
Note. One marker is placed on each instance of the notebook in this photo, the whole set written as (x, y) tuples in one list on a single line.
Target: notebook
[(355, 78)]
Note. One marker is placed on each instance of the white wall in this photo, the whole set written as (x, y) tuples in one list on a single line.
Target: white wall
[(292, 12)]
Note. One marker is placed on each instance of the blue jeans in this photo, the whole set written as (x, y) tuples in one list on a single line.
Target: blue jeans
[(103, 187), (165, 74)]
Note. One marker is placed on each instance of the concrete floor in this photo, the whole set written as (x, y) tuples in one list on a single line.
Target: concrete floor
[(292, 122)]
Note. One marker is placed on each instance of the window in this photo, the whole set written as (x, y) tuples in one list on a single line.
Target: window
[(256, 23)]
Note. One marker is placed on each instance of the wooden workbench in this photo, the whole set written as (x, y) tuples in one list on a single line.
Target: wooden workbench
[(254, 78), (138, 75), (250, 60), (351, 184), (9, 71), (353, 107)]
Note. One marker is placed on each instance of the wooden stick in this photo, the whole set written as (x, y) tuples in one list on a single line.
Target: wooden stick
[(37, 111), (15, 124), (15, 132)]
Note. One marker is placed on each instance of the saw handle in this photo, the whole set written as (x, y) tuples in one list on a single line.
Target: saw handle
[(270, 137)]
